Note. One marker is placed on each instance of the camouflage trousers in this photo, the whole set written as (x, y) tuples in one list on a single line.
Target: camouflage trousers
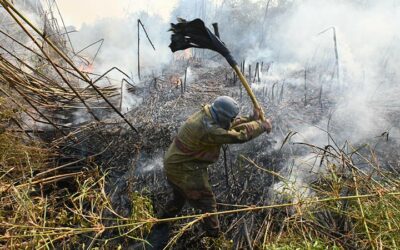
[(190, 182)]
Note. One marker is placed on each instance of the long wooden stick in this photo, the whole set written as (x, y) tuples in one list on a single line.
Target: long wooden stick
[(249, 91), (138, 48)]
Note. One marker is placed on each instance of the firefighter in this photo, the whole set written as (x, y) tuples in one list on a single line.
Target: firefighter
[(196, 146)]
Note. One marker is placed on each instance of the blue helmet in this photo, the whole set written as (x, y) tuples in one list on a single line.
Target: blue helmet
[(223, 110)]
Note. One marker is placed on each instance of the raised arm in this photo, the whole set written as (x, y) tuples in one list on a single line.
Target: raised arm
[(240, 133)]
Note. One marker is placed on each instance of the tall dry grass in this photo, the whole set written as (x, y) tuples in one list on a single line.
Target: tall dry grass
[(37, 212)]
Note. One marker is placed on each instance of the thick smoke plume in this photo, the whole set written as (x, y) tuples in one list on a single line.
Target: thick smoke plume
[(120, 44), (364, 89)]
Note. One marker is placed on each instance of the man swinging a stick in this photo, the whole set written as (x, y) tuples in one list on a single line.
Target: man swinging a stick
[(196, 146), (200, 138)]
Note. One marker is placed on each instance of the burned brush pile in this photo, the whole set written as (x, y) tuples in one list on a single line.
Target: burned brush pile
[(264, 198)]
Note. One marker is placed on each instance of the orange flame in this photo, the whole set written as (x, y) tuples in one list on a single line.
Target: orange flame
[(89, 68), (175, 80), (183, 55)]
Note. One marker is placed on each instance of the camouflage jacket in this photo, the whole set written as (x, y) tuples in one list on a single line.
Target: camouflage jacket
[(200, 138)]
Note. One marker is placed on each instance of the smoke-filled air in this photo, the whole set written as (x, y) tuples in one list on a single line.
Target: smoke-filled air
[(201, 124)]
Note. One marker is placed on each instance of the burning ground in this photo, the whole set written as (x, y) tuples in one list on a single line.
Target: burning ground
[(82, 151)]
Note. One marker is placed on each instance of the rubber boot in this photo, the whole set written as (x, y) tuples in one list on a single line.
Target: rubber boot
[(158, 237)]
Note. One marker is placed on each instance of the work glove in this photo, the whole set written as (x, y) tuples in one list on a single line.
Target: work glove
[(267, 125), (257, 114)]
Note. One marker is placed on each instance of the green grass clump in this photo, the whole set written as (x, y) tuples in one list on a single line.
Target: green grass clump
[(142, 210)]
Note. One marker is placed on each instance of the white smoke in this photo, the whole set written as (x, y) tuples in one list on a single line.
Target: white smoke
[(120, 49), (151, 164), (301, 171), (366, 94), (120, 43), (364, 34)]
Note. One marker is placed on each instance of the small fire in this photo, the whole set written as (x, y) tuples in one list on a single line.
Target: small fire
[(183, 55), (175, 80), (87, 68)]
